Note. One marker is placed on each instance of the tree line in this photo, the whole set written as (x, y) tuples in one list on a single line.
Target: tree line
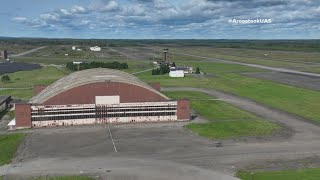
[(164, 69), (85, 65)]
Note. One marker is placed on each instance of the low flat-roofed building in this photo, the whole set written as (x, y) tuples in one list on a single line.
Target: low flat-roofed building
[(176, 73)]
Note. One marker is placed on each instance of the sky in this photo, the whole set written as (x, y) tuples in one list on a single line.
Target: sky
[(161, 19)]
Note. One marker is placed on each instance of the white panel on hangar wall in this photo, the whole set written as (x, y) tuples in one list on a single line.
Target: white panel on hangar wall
[(107, 100)]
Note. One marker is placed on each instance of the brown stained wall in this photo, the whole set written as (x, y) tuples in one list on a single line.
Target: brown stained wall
[(183, 109), (85, 94), (38, 88), (23, 116)]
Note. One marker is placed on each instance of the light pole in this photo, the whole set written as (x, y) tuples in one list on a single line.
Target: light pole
[(252, 176)]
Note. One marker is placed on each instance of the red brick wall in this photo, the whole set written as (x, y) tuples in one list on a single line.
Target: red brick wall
[(183, 109), (155, 86), (38, 88), (23, 115), (85, 94)]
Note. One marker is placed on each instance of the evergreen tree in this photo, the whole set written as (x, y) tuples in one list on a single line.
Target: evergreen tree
[(5, 79), (198, 70)]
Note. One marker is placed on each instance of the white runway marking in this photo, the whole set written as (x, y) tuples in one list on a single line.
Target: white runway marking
[(114, 146)]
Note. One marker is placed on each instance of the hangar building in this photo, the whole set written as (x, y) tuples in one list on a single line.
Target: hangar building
[(99, 96)]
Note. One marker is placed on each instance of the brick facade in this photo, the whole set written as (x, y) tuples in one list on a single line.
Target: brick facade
[(85, 94), (183, 109), (23, 116)]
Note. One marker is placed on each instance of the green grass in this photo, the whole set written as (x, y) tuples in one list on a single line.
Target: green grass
[(24, 94), (60, 51), (23, 79), (16, 48), (209, 108), (8, 146), (299, 101), (219, 68), (64, 178), (302, 174), (284, 59), (225, 121)]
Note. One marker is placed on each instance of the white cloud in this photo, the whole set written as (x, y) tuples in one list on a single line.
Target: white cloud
[(78, 9), (109, 7), (160, 15), (19, 19), (134, 10)]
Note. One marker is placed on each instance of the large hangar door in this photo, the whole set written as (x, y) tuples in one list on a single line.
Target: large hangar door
[(104, 100), (102, 108)]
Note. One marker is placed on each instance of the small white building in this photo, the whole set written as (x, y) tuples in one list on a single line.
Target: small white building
[(79, 49), (95, 48), (73, 48), (12, 124), (77, 62), (177, 73), (185, 69)]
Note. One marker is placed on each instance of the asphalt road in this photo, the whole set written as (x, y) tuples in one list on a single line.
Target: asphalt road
[(28, 52), (303, 143), (283, 70), (302, 128)]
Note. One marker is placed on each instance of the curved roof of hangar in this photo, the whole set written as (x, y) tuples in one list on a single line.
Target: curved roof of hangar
[(87, 77)]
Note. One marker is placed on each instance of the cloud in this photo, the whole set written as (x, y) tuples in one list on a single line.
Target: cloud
[(19, 19), (134, 10), (78, 9), (191, 16), (110, 6)]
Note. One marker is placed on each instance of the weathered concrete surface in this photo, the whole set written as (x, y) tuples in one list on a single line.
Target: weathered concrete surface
[(163, 150)]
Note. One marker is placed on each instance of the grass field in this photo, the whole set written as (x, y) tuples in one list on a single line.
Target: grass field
[(46, 76), (303, 174), (63, 178), (299, 101), (225, 121), (60, 51), (286, 56), (294, 60), (16, 48), (8, 146), (24, 94), (219, 68), (25, 79)]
